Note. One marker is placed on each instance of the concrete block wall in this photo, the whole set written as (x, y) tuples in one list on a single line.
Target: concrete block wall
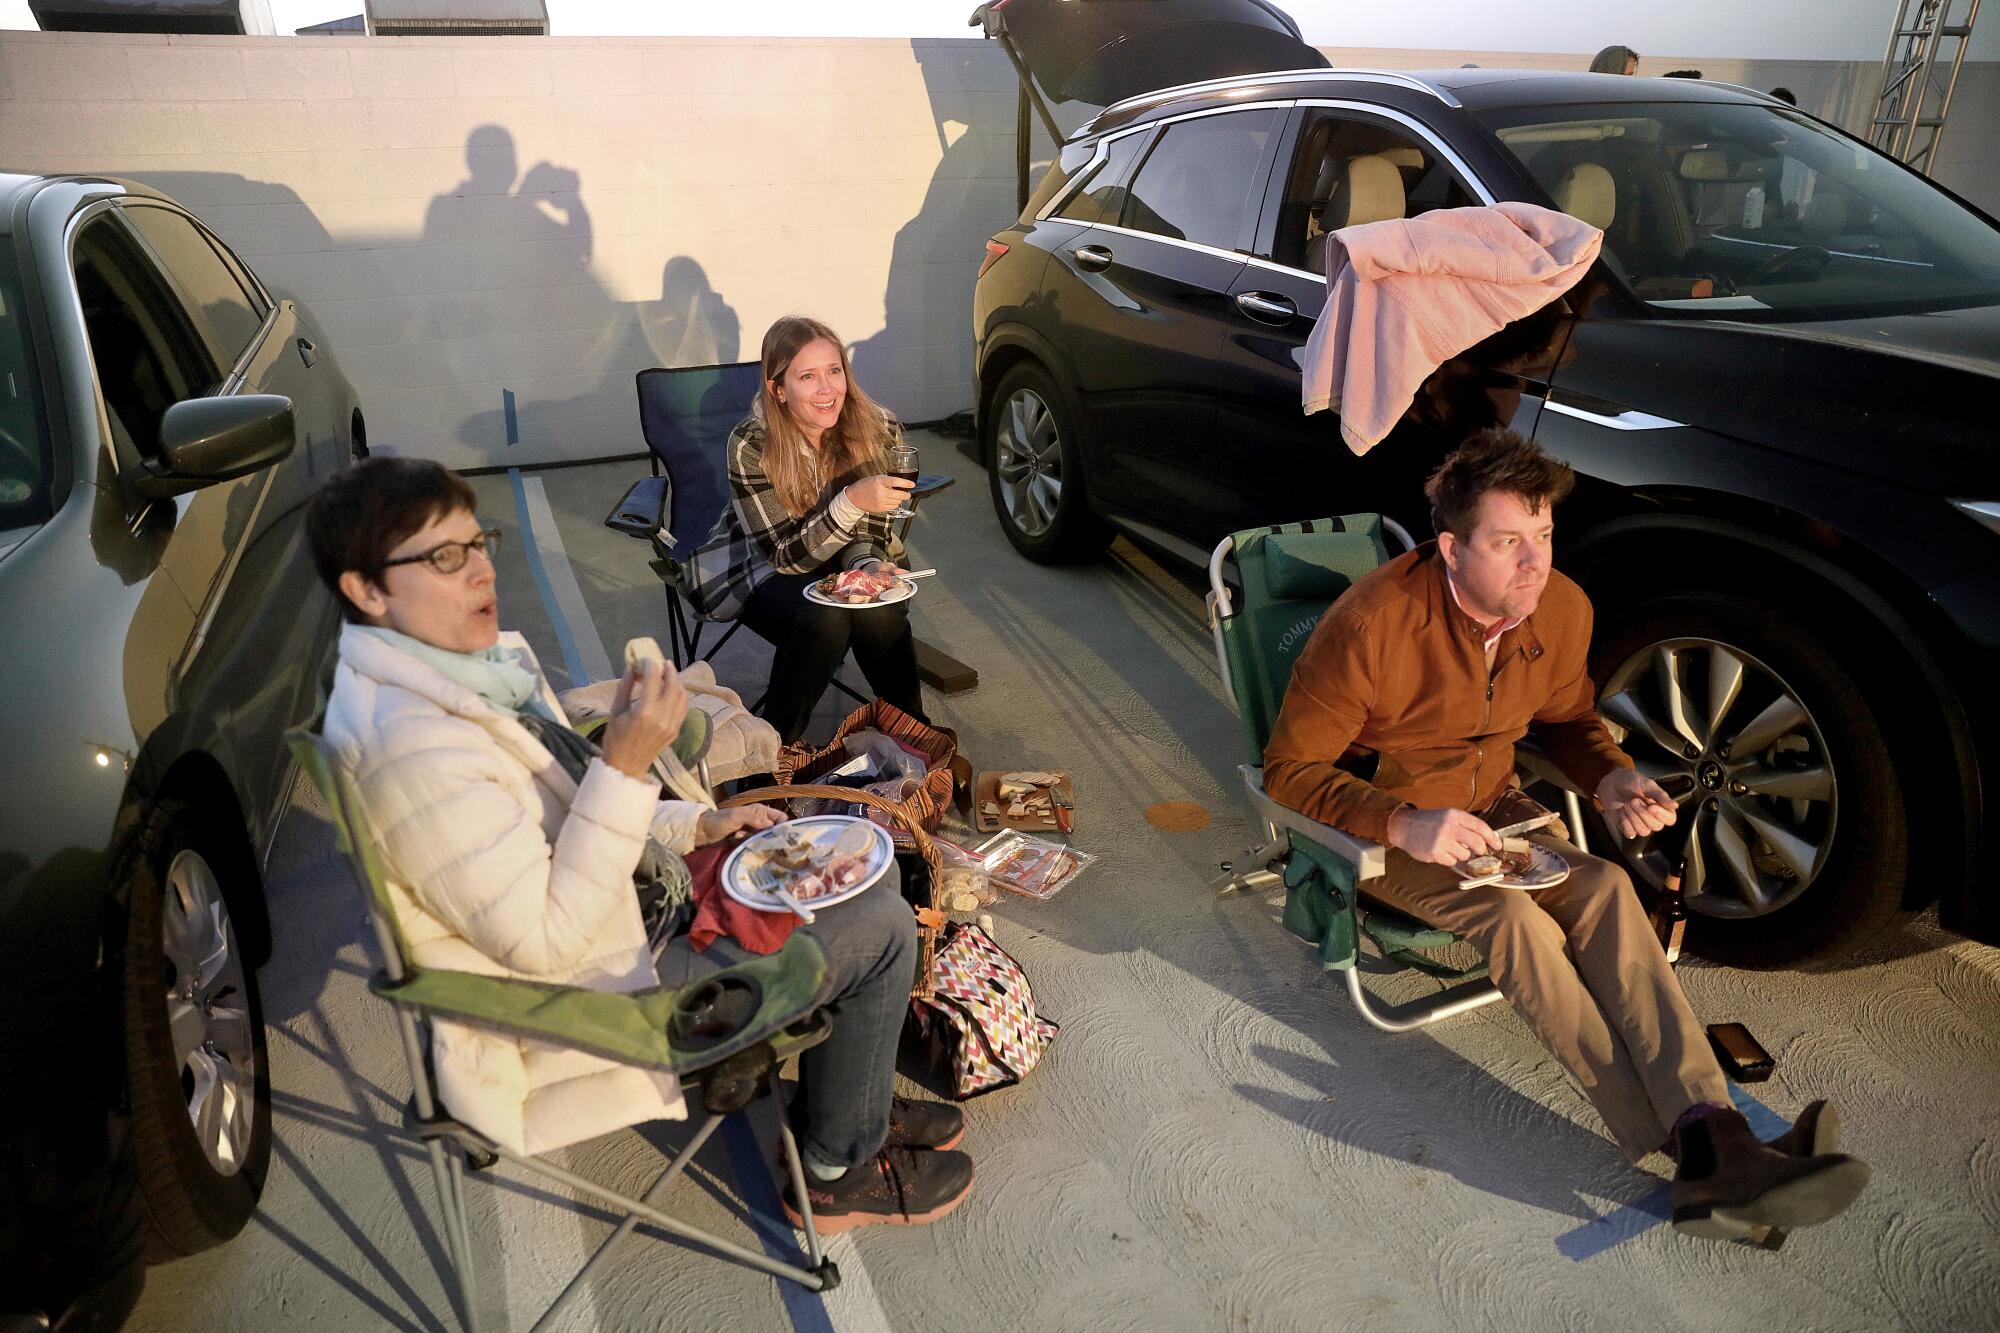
[(496, 233), (474, 219)]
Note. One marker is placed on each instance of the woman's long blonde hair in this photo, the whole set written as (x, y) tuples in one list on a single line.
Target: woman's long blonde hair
[(857, 439)]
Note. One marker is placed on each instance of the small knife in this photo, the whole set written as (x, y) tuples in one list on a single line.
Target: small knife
[(1065, 808), (1525, 826)]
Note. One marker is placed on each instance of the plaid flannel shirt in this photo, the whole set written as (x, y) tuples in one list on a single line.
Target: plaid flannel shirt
[(757, 536)]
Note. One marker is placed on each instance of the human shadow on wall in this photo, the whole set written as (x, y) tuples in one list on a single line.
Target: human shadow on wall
[(512, 251), (600, 339)]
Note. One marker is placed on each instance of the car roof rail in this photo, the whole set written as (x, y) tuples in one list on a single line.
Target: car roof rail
[(1399, 78), (1757, 93)]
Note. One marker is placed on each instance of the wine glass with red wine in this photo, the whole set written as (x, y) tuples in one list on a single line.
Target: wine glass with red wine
[(903, 464)]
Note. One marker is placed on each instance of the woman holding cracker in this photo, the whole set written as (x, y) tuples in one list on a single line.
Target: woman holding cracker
[(515, 847)]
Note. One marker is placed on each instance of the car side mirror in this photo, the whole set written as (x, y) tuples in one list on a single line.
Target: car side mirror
[(206, 440)]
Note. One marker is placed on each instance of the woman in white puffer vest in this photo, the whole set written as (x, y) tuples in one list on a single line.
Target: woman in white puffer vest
[(511, 846)]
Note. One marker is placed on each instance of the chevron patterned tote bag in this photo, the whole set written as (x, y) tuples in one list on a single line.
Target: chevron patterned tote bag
[(982, 1012)]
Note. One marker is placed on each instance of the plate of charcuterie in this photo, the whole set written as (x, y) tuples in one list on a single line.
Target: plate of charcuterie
[(1519, 864), (858, 589), (821, 860)]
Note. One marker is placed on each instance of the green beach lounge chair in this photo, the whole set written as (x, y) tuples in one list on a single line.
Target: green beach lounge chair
[(1285, 577)]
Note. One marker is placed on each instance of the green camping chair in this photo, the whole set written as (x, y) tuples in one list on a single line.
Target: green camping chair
[(1286, 577), (724, 1064)]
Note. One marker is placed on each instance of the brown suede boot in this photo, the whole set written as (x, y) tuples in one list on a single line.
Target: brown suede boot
[(1730, 1184)]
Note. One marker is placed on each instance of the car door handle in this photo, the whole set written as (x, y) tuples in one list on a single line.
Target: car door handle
[(1266, 307), (308, 351), (1091, 257)]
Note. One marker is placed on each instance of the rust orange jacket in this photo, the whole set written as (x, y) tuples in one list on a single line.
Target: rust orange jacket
[(1395, 677)]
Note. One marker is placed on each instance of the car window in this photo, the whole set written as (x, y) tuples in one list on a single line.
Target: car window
[(1754, 210), (25, 461), (1196, 184), (228, 315), (1101, 196), (1070, 160), (147, 352), (1348, 170)]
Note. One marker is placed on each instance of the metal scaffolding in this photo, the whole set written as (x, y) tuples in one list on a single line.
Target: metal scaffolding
[(1911, 108)]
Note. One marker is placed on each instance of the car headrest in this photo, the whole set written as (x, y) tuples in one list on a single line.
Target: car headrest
[(1705, 164), (1370, 191), (1587, 193)]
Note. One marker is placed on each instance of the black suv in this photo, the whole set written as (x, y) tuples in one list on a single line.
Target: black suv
[(1788, 511), (164, 417)]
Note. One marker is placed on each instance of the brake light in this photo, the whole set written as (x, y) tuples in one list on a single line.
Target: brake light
[(994, 249)]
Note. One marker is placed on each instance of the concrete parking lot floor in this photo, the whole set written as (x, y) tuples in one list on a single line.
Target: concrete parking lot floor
[(1215, 1141)]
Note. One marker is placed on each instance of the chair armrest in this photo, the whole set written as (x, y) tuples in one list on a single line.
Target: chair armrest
[(1369, 859), (1532, 760), (629, 1027)]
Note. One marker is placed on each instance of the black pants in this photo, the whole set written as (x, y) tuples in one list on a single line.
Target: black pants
[(813, 640)]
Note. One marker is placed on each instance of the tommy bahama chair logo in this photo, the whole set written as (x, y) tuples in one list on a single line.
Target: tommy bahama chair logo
[(1298, 631)]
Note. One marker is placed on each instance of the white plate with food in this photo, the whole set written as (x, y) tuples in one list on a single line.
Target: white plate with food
[(1519, 864), (820, 860), (859, 589)]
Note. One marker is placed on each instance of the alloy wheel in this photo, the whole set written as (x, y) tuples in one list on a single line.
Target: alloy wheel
[(208, 1015), (1027, 457), (1744, 761)]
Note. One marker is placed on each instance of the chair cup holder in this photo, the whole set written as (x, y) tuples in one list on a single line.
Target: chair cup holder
[(713, 1011)]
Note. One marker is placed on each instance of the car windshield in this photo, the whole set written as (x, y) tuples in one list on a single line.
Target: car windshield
[(1755, 211), (25, 474)]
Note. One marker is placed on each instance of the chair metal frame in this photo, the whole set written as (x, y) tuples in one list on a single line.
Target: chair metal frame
[(1368, 859), (454, 1148)]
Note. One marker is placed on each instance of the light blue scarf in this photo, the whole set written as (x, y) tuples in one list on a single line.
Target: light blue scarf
[(502, 676)]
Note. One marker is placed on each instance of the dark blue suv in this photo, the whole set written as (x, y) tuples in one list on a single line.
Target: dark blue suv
[(1786, 515)]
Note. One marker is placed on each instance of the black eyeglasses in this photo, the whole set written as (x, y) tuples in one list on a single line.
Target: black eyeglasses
[(450, 557)]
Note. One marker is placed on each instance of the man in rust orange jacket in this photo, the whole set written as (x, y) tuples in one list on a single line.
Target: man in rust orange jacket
[(1399, 726)]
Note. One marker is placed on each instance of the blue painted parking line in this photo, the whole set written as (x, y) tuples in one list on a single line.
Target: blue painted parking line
[(566, 641), (767, 1217), (1622, 1224)]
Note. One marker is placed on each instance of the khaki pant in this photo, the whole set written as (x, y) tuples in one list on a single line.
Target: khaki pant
[(1580, 962)]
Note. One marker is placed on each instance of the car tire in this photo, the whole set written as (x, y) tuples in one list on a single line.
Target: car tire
[(1824, 794), (196, 1066), (1034, 470)]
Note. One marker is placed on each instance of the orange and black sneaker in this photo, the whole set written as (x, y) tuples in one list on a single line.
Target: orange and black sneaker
[(900, 1186)]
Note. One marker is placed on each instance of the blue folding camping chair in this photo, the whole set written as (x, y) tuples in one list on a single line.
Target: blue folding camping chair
[(686, 416)]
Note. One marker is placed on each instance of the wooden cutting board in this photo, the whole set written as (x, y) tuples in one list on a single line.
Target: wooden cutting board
[(987, 784)]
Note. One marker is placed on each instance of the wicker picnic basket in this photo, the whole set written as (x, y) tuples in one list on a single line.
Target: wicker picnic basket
[(911, 834), (938, 746)]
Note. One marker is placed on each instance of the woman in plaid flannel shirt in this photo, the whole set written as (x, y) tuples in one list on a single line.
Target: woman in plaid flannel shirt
[(809, 497)]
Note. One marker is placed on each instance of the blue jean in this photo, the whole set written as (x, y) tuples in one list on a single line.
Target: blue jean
[(846, 1081)]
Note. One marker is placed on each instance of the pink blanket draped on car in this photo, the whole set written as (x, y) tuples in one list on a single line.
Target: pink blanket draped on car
[(1407, 295)]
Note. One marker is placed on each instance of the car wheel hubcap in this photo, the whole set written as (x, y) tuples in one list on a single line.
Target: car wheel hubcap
[(208, 1012), (1740, 754), (1027, 457)]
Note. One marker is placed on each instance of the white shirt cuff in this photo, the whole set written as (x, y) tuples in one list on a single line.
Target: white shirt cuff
[(846, 514)]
